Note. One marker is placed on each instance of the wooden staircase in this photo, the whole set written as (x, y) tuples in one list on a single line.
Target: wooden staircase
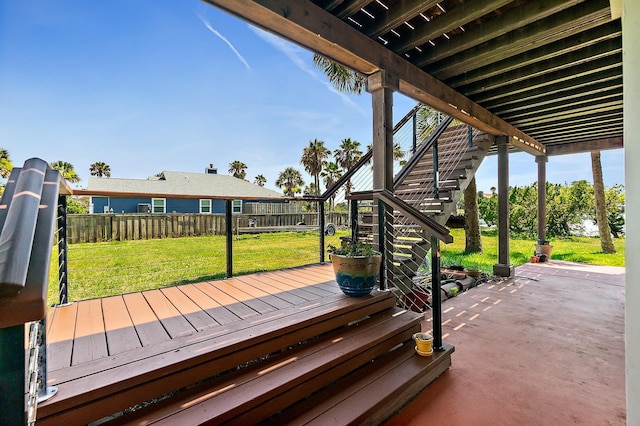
[(457, 164), (343, 358)]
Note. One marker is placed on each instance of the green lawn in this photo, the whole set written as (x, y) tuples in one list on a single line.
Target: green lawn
[(574, 249), (104, 269)]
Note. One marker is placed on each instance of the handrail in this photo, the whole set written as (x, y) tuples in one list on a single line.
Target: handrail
[(417, 156), (428, 224), (344, 178), (19, 227)]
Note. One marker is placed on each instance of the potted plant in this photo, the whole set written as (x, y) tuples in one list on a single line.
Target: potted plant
[(356, 265), (544, 248)]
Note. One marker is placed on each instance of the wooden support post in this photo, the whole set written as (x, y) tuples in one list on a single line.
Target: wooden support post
[(503, 268), (381, 85), (542, 198)]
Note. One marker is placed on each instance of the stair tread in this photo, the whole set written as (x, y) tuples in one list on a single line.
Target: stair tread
[(161, 368), (246, 393), (371, 394)]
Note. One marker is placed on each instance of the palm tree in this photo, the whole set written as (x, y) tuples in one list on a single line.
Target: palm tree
[(313, 157), (67, 171), (260, 180), (347, 155), (342, 78), (5, 163), (291, 180), (606, 243), (238, 169), (100, 169), (331, 173)]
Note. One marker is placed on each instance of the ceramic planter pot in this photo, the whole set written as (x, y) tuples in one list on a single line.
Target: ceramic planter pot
[(424, 343), (356, 276)]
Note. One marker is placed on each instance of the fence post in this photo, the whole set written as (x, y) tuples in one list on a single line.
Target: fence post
[(63, 269), (229, 224), (321, 228), (354, 221)]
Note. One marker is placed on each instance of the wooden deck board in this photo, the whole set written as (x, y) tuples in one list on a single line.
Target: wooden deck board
[(146, 323), (240, 310), (175, 324), (259, 293), (198, 319), (228, 287), (92, 329), (90, 340), (60, 336), (121, 335), (262, 284)]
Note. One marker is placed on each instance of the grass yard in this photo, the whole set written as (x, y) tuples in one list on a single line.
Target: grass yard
[(574, 249), (105, 269)]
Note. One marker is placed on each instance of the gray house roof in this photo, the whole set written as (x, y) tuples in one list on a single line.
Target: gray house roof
[(182, 184)]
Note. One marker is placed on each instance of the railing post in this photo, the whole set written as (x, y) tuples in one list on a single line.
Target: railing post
[(354, 221), (229, 226), (12, 375), (436, 173), (63, 267), (321, 228), (470, 136), (381, 243), (415, 132), (436, 295)]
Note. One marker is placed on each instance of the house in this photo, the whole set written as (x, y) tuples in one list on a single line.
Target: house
[(176, 192)]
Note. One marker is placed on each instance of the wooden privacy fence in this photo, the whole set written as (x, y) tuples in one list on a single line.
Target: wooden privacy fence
[(92, 228)]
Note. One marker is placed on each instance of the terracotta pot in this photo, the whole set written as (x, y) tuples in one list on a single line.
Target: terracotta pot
[(534, 259), (356, 276), (544, 249)]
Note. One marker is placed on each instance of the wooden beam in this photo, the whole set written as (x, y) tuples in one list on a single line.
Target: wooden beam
[(349, 8), (457, 17), (587, 146), (511, 20), (398, 15), (310, 26), (576, 58), (542, 53), (522, 39)]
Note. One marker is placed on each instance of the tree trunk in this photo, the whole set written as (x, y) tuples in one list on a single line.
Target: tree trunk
[(601, 209), (473, 240)]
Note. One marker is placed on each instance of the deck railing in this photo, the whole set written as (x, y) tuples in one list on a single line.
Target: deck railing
[(27, 222)]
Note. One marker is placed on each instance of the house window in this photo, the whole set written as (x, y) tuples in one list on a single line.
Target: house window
[(159, 205), (205, 206), (237, 206)]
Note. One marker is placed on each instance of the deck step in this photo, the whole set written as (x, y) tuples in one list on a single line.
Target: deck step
[(93, 390), (372, 394), (270, 386)]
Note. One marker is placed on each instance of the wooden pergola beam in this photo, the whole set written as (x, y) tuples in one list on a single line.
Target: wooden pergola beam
[(396, 16), (310, 26)]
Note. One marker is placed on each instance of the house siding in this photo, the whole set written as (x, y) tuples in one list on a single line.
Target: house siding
[(130, 205)]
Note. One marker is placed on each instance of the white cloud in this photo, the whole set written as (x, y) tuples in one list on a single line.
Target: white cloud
[(223, 38)]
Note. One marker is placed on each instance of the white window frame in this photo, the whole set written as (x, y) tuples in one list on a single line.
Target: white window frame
[(235, 206), (153, 205), (210, 205)]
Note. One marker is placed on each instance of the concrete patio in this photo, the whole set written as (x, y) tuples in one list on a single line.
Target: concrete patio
[(544, 349)]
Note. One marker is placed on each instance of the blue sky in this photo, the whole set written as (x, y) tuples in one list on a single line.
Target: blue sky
[(152, 85)]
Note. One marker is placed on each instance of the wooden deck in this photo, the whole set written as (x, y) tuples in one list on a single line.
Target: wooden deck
[(234, 351), (89, 330)]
